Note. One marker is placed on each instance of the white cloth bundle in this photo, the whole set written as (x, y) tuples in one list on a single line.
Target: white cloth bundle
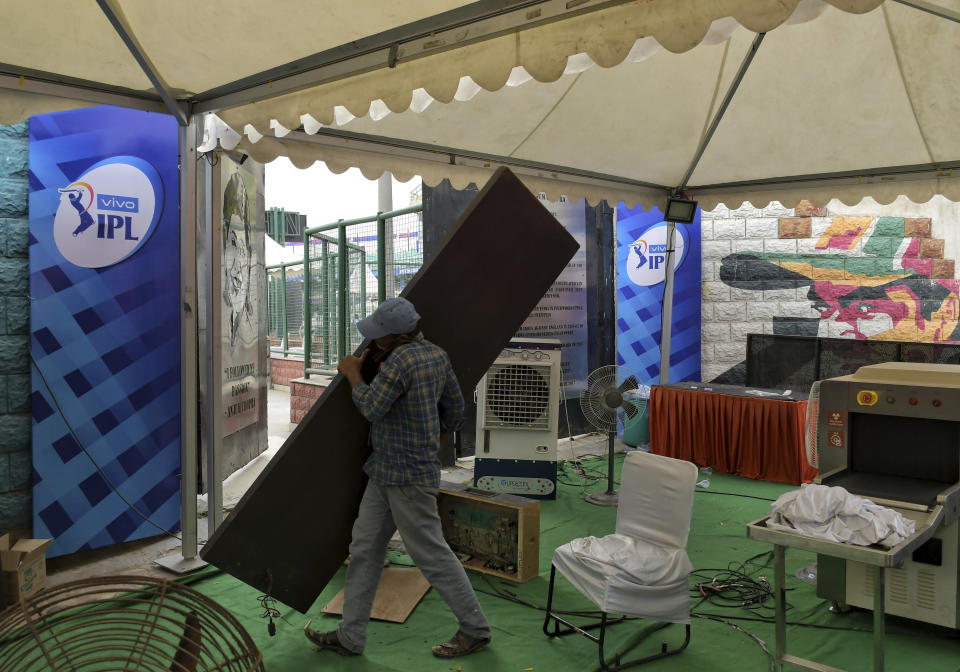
[(643, 563), (830, 512)]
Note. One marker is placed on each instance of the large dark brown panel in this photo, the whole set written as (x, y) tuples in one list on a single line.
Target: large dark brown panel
[(290, 532)]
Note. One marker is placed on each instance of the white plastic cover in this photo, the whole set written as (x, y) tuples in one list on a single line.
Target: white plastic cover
[(832, 513), (642, 569)]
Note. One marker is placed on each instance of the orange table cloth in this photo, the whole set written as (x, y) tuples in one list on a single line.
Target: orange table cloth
[(747, 436)]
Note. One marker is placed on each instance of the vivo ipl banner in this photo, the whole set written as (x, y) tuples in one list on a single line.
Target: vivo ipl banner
[(641, 259), (104, 322)]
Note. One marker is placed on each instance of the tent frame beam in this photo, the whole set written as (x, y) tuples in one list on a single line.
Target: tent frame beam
[(461, 157), (668, 274), (731, 90), (921, 171), (931, 8), (13, 78), (471, 23), (115, 15)]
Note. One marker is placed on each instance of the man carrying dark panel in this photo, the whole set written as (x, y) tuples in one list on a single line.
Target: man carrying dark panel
[(413, 398)]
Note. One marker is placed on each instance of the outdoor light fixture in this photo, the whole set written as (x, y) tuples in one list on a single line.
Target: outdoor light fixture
[(680, 210)]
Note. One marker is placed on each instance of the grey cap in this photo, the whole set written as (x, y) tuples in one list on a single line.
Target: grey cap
[(393, 316)]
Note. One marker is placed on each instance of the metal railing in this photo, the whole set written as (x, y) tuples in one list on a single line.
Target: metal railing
[(338, 291), (285, 308), (313, 305)]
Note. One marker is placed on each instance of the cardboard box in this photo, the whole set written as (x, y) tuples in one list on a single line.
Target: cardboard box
[(492, 533), (24, 567)]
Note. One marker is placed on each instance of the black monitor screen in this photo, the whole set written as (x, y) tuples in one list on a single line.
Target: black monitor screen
[(893, 445)]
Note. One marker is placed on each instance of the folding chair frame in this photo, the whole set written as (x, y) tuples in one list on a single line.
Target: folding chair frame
[(617, 665)]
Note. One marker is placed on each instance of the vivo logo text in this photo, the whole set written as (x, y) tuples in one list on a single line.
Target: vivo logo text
[(118, 203)]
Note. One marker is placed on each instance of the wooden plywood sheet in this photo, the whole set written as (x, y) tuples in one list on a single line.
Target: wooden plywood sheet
[(290, 532), (399, 591)]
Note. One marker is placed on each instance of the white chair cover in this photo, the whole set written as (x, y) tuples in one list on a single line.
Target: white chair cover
[(640, 570)]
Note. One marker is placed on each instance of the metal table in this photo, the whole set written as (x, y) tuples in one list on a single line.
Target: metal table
[(879, 558)]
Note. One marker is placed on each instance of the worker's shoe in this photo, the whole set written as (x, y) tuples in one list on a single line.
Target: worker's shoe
[(460, 645), (328, 640)]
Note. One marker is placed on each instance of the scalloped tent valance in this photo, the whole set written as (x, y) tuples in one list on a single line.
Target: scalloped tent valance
[(841, 98)]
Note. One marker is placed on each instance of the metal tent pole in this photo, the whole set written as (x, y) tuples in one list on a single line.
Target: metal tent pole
[(667, 310), (213, 346), (187, 560), (385, 204)]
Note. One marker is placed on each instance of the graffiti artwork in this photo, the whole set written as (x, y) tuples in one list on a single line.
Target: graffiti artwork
[(241, 247), (898, 288)]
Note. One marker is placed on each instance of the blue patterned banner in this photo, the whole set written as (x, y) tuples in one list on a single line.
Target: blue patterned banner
[(104, 320), (641, 253)]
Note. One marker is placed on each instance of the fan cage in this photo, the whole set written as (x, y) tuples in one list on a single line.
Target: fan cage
[(518, 396), (124, 623), (593, 400)]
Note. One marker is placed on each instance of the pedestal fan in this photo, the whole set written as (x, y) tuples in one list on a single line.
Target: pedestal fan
[(608, 397)]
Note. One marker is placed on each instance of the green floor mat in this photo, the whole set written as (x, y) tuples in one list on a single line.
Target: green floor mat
[(733, 637)]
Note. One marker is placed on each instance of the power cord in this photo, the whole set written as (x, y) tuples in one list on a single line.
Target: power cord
[(270, 611), (735, 587), (734, 494), (269, 606), (755, 638)]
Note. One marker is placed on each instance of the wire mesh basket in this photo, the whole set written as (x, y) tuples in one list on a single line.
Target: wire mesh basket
[(123, 623)]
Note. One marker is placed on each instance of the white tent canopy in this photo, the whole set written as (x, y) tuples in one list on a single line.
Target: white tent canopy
[(616, 100)]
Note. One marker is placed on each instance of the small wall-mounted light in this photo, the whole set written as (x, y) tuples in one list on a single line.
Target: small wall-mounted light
[(680, 210)]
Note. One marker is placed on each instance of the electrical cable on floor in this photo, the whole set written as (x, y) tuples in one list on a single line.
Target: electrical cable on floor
[(760, 642), (570, 468), (734, 494), (732, 589), (576, 466), (755, 592), (103, 474), (734, 586), (510, 596), (586, 477), (269, 606)]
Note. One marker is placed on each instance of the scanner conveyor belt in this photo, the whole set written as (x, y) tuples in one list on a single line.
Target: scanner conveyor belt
[(884, 486)]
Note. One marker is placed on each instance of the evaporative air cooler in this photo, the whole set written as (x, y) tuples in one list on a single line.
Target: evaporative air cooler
[(517, 404)]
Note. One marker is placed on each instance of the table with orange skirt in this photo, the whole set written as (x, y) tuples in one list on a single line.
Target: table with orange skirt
[(749, 432)]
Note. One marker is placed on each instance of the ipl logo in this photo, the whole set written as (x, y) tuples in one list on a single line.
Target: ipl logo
[(646, 262), (108, 213), (80, 195)]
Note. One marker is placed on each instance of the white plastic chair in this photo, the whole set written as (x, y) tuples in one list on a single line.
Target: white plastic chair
[(642, 569)]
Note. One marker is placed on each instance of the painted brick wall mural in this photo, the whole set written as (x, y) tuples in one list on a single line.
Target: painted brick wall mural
[(838, 272)]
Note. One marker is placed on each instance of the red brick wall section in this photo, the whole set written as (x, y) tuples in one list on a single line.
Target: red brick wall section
[(794, 227), (302, 397), (282, 371), (808, 209)]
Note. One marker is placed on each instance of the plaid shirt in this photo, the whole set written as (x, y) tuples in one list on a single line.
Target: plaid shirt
[(414, 398)]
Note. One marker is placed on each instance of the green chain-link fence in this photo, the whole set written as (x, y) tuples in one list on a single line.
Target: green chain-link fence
[(314, 305), (285, 308)]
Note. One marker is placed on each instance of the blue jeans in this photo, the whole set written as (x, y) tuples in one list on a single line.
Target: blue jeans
[(411, 509)]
